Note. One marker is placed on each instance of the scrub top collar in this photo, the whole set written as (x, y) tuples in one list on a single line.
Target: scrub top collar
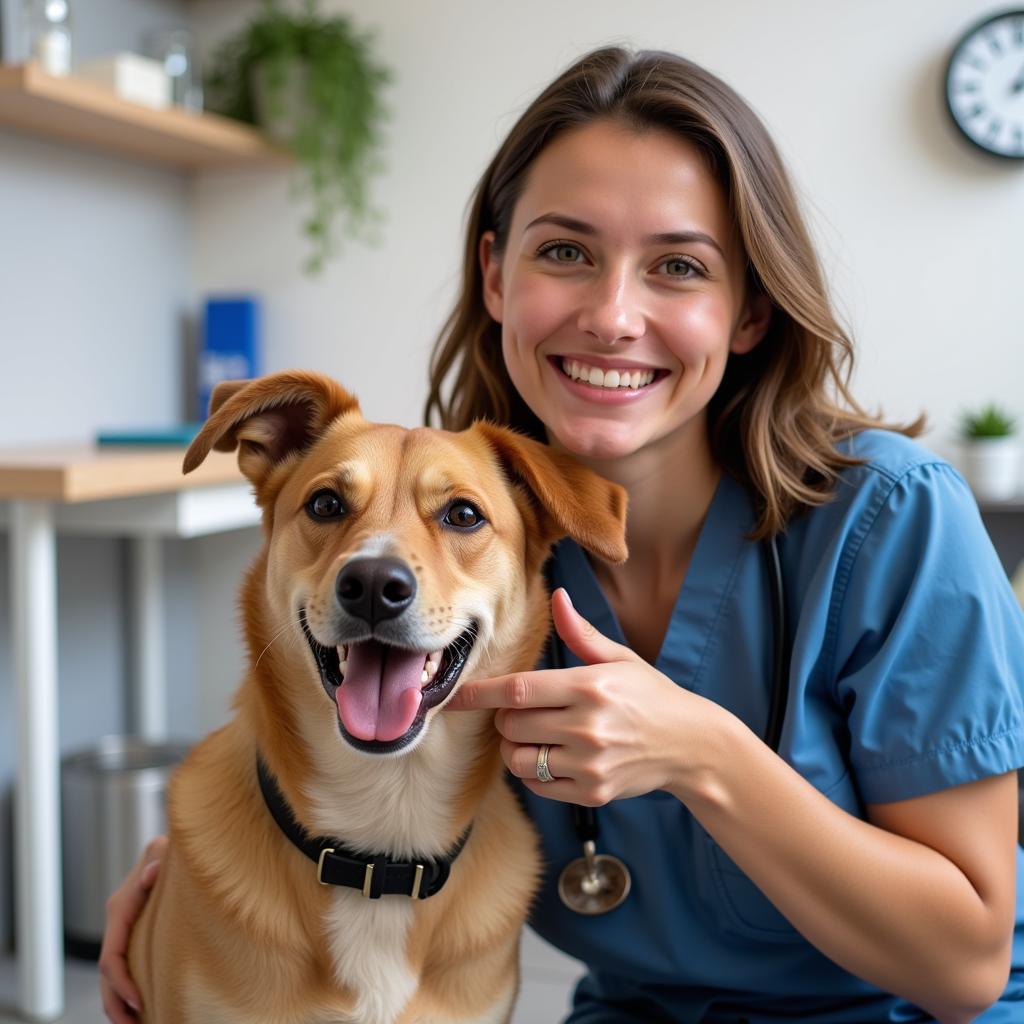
[(709, 579)]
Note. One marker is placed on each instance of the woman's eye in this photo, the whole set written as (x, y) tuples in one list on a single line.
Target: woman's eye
[(675, 267), (562, 252), (325, 505), (462, 516)]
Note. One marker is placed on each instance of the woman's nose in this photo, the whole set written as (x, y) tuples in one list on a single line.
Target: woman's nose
[(611, 310)]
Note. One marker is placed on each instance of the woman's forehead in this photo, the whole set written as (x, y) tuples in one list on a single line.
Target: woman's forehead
[(619, 180)]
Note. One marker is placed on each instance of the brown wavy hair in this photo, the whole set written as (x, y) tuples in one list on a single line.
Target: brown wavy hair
[(781, 409)]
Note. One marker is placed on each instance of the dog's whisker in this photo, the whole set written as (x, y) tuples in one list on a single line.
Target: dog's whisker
[(272, 639)]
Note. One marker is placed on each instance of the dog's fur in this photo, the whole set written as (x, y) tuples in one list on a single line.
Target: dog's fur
[(237, 928)]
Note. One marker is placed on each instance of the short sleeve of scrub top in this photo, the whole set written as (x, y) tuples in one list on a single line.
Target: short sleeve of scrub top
[(907, 673)]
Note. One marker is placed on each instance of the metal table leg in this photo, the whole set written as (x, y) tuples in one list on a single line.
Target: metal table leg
[(33, 547), (149, 704)]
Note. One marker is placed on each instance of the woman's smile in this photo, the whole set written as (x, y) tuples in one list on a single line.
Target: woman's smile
[(594, 380)]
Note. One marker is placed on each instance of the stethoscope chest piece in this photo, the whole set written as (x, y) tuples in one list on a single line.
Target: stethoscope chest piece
[(594, 883)]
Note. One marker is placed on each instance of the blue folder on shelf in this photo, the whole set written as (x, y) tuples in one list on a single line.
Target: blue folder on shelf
[(181, 434)]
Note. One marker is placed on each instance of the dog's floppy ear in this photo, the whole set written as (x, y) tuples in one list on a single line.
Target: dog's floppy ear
[(571, 500), (268, 418)]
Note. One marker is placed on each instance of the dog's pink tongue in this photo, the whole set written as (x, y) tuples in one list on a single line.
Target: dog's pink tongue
[(380, 694)]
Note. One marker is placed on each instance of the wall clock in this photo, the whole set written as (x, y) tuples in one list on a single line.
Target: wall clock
[(985, 85)]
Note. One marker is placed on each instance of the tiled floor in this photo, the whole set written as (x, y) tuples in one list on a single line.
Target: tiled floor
[(548, 979)]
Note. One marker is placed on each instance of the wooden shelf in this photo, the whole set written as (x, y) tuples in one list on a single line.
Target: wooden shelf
[(83, 472), (87, 113)]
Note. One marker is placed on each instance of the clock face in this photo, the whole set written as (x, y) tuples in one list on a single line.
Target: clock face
[(985, 85)]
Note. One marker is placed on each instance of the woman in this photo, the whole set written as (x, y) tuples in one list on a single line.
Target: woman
[(639, 290)]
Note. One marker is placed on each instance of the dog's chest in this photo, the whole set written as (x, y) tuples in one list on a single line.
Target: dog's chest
[(367, 941)]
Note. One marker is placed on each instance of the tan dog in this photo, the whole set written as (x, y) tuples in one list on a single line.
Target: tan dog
[(395, 561)]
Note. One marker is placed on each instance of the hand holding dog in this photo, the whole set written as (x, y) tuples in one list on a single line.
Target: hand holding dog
[(119, 994), (616, 726)]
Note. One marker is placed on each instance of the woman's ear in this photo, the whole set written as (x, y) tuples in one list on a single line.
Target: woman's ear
[(753, 325), (490, 267)]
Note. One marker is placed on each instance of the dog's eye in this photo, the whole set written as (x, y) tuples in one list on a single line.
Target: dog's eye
[(462, 516), (325, 505)]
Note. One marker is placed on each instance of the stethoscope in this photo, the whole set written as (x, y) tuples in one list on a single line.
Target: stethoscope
[(598, 882)]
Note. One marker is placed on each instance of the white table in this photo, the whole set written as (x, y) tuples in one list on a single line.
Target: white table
[(128, 492)]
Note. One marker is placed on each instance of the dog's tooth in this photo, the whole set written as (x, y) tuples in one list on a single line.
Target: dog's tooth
[(425, 678), (343, 667)]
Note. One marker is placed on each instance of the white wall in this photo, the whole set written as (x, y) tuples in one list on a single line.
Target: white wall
[(919, 233)]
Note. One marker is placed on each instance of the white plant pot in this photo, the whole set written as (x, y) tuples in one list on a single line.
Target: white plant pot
[(992, 466)]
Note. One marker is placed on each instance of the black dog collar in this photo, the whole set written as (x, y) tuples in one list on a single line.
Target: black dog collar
[(336, 864)]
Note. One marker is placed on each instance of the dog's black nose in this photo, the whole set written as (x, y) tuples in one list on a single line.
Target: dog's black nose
[(375, 589)]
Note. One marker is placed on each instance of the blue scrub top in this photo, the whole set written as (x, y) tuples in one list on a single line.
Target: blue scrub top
[(906, 678)]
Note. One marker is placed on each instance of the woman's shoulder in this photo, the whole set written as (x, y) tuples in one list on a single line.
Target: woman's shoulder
[(889, 455), (896, 479), (893, 468)]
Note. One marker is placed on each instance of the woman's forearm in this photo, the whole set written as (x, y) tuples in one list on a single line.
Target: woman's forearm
[(888, 909)]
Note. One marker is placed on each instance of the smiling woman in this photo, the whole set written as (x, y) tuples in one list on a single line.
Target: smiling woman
[(639, 289)]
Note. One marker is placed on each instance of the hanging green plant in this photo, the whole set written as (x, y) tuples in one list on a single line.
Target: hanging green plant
[(312, 85)]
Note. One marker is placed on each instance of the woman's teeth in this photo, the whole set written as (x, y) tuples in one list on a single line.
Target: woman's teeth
[(613, 379)]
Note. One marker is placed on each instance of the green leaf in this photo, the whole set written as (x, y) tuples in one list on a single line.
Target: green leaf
[(990, 421)]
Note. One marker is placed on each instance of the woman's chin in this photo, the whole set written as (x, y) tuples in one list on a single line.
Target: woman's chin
[(599, 444)]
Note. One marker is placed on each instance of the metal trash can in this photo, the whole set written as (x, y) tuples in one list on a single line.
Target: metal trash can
[(113, 801)]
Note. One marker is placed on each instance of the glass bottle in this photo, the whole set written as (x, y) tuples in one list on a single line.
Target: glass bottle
[(176, 49), (47, 31)]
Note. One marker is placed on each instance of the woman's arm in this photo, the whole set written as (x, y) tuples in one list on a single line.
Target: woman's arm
[(919, 900)]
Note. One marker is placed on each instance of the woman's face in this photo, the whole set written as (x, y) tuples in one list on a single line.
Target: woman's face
[(620, 291)]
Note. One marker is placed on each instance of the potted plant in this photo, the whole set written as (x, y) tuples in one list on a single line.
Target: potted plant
[(312, 85), (991, 453)]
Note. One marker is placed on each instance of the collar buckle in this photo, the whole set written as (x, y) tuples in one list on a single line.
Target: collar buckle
[(415, 894), (320, 865)]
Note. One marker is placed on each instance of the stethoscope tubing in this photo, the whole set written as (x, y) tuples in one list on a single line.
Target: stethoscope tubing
[(585, 818)]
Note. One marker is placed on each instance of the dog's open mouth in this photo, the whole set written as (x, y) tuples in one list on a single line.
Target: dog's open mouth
[(383, 692)]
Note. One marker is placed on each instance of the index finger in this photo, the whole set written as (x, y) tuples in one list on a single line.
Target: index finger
[(545, 688)]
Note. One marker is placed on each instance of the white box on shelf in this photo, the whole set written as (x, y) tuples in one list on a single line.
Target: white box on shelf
[(139, 79)]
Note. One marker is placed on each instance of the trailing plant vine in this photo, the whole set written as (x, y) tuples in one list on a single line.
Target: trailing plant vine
[(310, 82)]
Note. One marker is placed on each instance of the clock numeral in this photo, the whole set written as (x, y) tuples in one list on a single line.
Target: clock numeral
[(1018, 32), (993, 130), (966, 86), (1018, 139), (995, 45), (975, 111), (975, 62)]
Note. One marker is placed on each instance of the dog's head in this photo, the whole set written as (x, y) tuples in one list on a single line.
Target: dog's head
[(396, 559)]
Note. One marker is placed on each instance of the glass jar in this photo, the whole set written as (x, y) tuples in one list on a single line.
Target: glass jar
[(47, 34), (176, 50)]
